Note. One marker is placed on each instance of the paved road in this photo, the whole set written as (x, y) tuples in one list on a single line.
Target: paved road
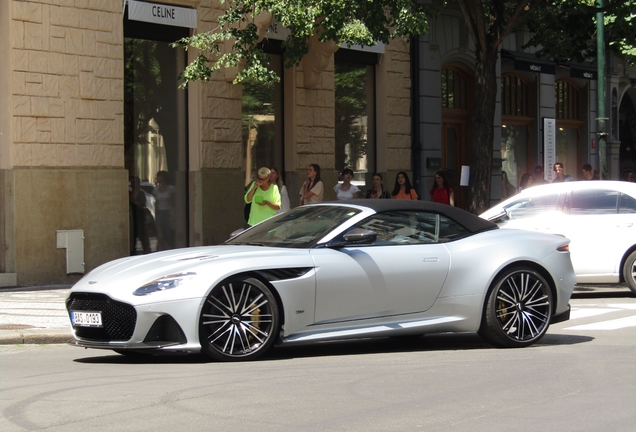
[(580, 377)]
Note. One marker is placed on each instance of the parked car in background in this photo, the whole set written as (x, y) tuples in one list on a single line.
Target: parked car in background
[(345, 270), (599, 217)]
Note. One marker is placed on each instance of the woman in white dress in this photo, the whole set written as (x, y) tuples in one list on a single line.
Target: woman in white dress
[(346, 190)]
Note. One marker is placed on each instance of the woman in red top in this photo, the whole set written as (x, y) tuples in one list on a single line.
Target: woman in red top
[(441, 192)]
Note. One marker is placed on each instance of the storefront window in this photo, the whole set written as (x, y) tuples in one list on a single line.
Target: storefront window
[(354, 118), (515, 117), (514, 149), (262, 123), (155, 141), (568, 115)]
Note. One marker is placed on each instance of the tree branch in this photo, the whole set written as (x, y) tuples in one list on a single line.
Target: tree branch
[(470, 23)]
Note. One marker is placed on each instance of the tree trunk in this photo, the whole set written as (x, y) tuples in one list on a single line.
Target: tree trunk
[(484, 101)]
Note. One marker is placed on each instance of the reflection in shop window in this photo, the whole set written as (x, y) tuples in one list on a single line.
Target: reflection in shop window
[(454, 90), (155, 142), (514, 145), (354, 95), (262, 124), (516, 117)]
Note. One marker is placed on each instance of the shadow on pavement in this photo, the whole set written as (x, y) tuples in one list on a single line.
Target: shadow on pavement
[(429, 343), (602, 291)]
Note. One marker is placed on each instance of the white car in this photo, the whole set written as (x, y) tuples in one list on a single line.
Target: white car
[(351, 269), (599, 217)]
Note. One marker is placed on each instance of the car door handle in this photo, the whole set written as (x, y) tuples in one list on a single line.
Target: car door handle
[(431, 259), (625, 225)]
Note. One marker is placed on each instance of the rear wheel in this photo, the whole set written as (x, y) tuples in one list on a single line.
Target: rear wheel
[(518, 309), (239, 320), (629, 271)]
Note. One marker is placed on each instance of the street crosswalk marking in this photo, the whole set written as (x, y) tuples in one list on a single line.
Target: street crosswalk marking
[(607, 325), (586, 311)]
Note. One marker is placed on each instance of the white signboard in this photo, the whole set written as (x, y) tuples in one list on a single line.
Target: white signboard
[(157, 13), (549, 147)]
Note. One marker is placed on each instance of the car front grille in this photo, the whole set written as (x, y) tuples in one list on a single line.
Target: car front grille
[(118, 318)]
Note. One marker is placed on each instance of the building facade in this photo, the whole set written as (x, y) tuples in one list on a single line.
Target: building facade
[(546, 112), (89, 104)]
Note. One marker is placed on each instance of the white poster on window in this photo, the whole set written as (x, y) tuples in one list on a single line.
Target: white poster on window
[(549, 147), (465, 176)]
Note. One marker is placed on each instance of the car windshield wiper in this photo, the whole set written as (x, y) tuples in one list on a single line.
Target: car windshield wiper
[(246, 244)]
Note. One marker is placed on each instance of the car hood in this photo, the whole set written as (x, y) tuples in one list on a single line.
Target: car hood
[(121, 277)]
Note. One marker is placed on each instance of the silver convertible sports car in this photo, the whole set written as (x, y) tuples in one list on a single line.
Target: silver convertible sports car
[(330, 271)]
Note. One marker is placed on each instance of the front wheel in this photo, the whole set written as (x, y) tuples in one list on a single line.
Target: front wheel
[(518, 309), (239, 320), (629, 271)]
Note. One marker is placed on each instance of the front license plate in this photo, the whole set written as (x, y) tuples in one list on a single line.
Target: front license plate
[(86, 319)]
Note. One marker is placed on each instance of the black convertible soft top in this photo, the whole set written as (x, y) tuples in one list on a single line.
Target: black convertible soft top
[(472, 223)]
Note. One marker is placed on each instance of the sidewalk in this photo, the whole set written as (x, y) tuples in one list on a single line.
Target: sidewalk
[(34, 315)]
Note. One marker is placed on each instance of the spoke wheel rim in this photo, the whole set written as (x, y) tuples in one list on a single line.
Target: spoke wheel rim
[(523, 307), (238, 319)]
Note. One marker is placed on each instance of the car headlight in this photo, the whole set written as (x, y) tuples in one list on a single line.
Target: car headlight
[(164, 283)]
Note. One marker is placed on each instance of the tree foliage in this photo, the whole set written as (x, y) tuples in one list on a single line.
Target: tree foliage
[(566, 29), (343, 21)]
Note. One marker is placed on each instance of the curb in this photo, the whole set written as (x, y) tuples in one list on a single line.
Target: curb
[(35, 337)]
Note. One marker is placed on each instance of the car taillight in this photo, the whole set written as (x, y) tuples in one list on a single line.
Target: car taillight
[(564, 248)]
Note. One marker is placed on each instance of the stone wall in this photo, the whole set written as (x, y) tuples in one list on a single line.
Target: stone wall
[(67, 83), (63, 163)]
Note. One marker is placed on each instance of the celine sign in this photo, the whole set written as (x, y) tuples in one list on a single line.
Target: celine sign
[(157, 13)]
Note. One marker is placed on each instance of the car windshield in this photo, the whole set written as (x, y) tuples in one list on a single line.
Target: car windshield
[(532, 206), (301, 227)]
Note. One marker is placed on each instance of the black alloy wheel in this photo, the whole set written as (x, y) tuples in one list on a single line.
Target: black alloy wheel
[(239, 320), (518, 309)]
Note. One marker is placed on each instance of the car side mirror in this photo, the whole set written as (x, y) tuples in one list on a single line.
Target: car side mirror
[(360, 236), (237, 232), (499, 217)]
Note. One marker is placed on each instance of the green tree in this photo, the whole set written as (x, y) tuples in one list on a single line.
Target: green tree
[(565, 29), (344, 21)]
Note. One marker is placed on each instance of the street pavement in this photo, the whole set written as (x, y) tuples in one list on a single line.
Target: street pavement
[(34, 315), (37, 315)]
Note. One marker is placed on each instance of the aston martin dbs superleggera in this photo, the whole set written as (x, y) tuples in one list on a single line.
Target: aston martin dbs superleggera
[(330, 271)]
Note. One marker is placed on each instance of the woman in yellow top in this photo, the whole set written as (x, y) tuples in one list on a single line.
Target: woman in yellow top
[(403, 188), (264, 197)]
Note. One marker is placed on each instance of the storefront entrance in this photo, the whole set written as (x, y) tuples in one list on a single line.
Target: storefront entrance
[(155, 136)]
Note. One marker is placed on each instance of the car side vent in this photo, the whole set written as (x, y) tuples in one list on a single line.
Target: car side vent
[(285, 273)]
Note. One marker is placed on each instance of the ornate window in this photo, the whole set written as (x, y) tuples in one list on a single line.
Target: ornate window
[(515, 96), (567, 100), (454, 90)]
